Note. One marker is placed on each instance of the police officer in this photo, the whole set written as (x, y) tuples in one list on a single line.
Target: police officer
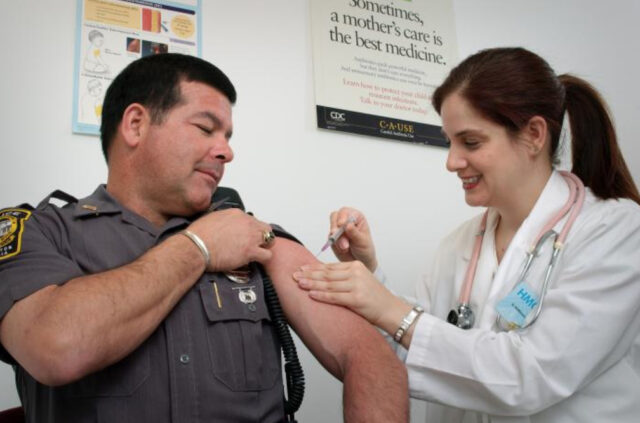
[(127, 305)]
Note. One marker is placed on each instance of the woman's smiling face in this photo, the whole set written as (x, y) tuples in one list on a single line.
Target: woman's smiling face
[(484, 155)]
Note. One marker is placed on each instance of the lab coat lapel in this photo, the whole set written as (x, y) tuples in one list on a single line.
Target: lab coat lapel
[(463, 252), (462, 259), (487, 266), (548, 204)]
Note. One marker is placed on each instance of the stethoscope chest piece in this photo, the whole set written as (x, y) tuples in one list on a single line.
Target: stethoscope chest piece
[(463, 317)]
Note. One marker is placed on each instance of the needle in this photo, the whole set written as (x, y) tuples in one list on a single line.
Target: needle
[(336, 235)]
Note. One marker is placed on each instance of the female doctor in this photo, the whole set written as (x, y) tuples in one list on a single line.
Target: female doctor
[(494, 339)]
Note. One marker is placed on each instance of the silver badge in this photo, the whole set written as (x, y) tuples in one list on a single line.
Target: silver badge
[(247, 295)]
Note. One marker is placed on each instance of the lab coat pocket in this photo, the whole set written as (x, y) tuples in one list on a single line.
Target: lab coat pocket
[(243, 348)]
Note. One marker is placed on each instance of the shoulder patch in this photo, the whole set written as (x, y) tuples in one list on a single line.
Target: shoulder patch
[(11, 228)]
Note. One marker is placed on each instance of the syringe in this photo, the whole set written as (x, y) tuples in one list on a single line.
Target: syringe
[(336, 235)]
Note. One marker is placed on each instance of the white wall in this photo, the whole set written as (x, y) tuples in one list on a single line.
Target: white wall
[(287, 170)]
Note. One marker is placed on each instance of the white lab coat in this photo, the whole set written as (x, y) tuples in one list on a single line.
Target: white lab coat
[(579, 362)]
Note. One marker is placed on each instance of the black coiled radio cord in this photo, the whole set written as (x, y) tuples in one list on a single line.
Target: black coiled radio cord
[(292, 367), (225, 198)]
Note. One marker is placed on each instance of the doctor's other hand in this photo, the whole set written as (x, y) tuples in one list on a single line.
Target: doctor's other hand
[(349, 284), (356, 242)]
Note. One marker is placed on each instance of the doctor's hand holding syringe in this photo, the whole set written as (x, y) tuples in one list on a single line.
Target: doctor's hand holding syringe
[(350, 238), (355, 281)]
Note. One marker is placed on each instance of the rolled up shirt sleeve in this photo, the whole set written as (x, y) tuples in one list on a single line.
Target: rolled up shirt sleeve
[(41, 261)]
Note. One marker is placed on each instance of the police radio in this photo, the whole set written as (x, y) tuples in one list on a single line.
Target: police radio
[(227, 198)]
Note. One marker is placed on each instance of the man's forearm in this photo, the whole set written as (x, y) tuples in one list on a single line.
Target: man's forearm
[(62, 333), (375, 383)]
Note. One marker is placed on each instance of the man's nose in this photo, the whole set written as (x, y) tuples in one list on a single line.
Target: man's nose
[(222, 150)]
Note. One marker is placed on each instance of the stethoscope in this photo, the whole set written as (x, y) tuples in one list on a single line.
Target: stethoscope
[(464, 317)]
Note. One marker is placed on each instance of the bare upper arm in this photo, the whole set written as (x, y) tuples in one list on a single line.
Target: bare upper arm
[(329, 331)]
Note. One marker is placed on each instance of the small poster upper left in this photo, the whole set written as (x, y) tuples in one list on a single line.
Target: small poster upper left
[(113, 33)]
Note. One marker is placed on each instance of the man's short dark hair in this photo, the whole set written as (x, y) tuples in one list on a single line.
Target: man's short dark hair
[(154, 82)]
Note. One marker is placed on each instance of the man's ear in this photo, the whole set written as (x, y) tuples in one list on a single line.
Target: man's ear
[(535, 135), (135, 124)]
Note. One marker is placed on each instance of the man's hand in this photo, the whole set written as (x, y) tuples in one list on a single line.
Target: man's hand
[(233, 239)]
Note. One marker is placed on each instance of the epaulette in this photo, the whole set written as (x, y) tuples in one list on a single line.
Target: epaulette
[(59, 195)]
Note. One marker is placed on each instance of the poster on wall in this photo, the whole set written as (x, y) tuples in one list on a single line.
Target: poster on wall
[(112, 33), (377, 63)]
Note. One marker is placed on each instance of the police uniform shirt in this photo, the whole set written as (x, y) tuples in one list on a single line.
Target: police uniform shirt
[(215, 357)]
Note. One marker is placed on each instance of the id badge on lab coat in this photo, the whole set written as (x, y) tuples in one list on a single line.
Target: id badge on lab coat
[(515, 308)]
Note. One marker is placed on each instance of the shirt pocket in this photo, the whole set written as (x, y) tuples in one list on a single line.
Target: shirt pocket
[(243, 348), (121, 379)]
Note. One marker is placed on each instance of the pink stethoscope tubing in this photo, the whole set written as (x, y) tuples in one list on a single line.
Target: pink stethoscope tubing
[(573, 204)]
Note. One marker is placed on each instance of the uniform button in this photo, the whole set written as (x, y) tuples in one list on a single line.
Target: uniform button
[(251, 307), (184, 358)]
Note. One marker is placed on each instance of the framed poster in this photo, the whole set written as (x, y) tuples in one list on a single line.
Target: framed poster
[(377, 63), (113, 33)]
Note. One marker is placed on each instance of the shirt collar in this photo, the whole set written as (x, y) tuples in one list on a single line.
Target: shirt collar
[(100, 202)]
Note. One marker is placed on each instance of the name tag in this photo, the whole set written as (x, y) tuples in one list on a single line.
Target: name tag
[(516, 307)]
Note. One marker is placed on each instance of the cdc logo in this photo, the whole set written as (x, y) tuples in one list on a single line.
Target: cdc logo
[(337, 116)]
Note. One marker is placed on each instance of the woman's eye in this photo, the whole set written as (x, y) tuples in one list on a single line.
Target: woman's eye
[(471, 143)]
